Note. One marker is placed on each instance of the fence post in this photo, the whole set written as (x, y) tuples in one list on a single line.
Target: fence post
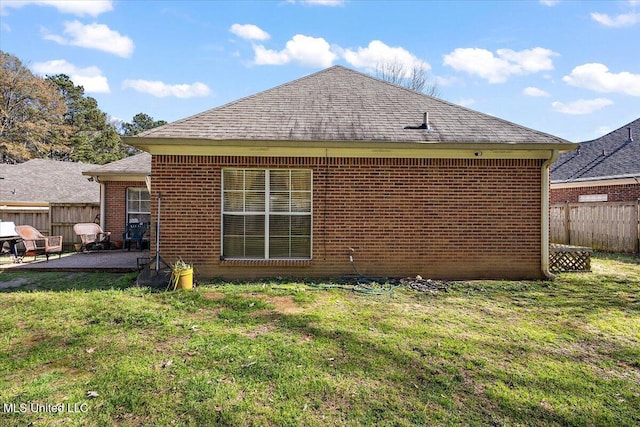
[(637, 222), (50, 226), (567, 221)]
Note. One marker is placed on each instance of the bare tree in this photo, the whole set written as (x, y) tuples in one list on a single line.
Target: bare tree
[(31, 113), (416, 79)]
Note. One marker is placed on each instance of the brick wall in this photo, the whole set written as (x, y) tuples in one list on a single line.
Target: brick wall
[(116, 204), (616, 193), (438, 218)]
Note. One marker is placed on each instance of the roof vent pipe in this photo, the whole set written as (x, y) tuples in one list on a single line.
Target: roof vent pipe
[(630, 135), (424, 125)]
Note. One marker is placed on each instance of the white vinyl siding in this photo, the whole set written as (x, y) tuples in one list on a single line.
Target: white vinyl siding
[(266, 214)]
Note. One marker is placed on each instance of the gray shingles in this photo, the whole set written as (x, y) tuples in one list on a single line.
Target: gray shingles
[(140, 164), (339, 104), (44, 181), (612, 155)]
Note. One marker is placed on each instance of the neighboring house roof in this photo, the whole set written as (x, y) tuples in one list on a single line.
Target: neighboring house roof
[(139, 164), (339, 104), (47, 181), (614, 155)]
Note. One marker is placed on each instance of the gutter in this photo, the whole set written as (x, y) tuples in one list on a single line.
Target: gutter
[(628, 179), (317, 148), (596, 178), (545, 214)]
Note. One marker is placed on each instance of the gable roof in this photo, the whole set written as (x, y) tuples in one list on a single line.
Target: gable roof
[(45, 181), (139, 164), (614, 155), (339, 104)]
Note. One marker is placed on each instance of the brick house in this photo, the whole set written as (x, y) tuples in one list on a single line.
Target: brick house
[(294, 180), (124, 192), (606, 169)]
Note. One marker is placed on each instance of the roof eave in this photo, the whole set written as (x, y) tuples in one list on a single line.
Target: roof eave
[(471, 149), (633, 178), (117, 176)]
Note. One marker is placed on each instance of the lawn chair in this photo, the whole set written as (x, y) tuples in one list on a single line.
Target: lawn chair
[(92, 236), (36, 244), (134, 232)]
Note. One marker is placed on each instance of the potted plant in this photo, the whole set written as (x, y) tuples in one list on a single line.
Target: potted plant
[(181, 275)]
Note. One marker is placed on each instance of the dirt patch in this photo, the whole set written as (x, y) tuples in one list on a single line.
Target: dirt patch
[(14, 283), (213, 295), (260, 330), (306, 338), (281, 304)]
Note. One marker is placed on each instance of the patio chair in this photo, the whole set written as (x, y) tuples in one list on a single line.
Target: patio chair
[(36, 244), (134, 232), (92, 236)]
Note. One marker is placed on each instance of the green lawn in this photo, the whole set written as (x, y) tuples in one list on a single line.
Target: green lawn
[(481, 353)]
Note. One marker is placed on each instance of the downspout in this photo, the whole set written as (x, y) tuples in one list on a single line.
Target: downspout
[(545, 213), (103, 202)]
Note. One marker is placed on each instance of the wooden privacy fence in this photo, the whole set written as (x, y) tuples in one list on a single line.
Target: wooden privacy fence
[(54, 219), (605, 226)]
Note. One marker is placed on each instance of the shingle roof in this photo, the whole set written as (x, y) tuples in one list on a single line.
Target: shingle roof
[(612, 155), (339, 104), (139, 164), (44, 181)]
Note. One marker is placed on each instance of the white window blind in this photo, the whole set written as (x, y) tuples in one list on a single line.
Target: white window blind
[(138, 205), (266, 214)]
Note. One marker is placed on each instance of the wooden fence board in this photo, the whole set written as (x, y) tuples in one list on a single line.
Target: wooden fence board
[(55, 219), (65, 215), (606, 226)]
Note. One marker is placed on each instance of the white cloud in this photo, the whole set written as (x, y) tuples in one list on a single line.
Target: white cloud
[(161, 90), (90, 78), (466, 102), (74, 7), (301, 49), (94, 36), (498, 68), (581, 106), (618, 21), (602, 130), (445, 81), (249, 32), (597, 77), (377, 53), (549, 3), (264, 56), (534, 91)]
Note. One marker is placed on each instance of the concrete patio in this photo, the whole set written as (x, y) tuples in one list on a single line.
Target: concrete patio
[(119, 261)]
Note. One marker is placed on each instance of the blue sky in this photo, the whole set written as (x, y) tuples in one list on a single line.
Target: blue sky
[(568, 68)]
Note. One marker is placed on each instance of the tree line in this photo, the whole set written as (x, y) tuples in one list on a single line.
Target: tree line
[(52, 118)]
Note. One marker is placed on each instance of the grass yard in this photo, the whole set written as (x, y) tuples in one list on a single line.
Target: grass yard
[(88, 349)]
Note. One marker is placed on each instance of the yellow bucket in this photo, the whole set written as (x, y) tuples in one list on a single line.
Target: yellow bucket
[(185, 279)]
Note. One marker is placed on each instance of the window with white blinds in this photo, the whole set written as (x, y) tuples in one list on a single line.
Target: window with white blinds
[(138, 205), (266, 214)]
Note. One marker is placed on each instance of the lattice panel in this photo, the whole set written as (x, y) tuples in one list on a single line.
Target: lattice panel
[(570, 260)]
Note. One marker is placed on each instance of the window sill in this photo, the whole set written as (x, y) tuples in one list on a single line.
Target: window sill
[(266, 262)]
